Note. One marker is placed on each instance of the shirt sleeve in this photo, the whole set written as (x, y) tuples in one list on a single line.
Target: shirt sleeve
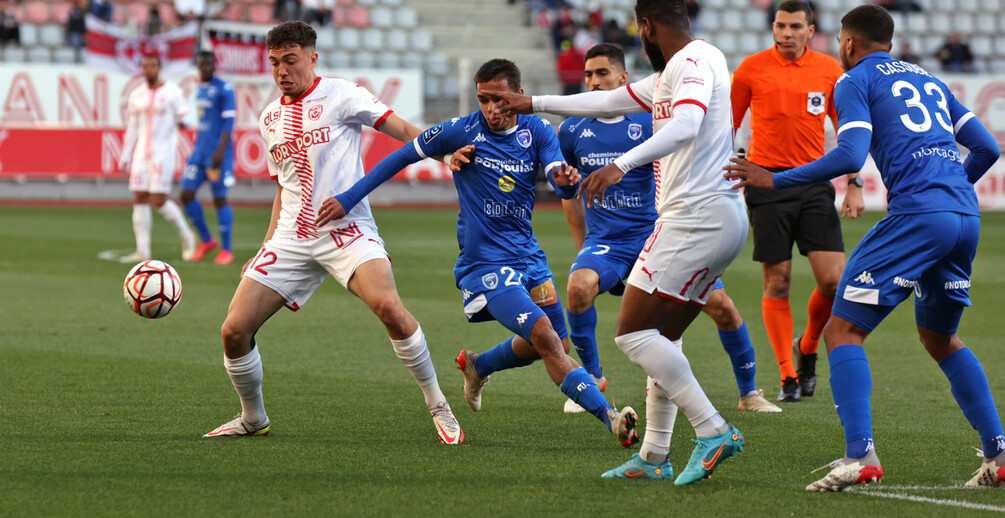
[(382, 172), (739, 95), (227, 108), (567, 142), (437, 140), (600, 103), (549, 152), (642, 91), (975, 137), (359, 106), (691, 81)]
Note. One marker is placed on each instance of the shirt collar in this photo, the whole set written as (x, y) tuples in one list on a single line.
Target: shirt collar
[(782, 60)]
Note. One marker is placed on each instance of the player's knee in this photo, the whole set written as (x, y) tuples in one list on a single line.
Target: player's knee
[(219, 202), (580, 297), (828, 288), (776, 286), (187, 197), (391, 312), (545, 340), (235, 335), (723, 311)]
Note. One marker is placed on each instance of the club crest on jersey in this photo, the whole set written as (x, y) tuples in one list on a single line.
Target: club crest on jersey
[(431, 133), (315, 112), (506, 183), (634, 131), (816, 102), (490, 281), (524, 138)]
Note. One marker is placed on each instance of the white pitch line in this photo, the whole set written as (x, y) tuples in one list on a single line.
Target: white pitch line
[(937, 501), (891, 487)]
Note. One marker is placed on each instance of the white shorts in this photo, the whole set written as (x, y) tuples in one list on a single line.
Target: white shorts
[(151, 176), (294, 268), (688, 251)]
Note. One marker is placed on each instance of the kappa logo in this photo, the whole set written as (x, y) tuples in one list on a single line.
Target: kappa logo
[(587, 133), (634, 131), (524, 138), (748, 366), (865, 278), (480, 138), (466, 294), (490, 281), (315, 112), (522, 317)]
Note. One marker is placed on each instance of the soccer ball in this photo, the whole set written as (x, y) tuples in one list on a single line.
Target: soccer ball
[(152, 289)]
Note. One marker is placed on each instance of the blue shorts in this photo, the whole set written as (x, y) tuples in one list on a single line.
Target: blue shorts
[(529, 290), (929, 255), (195, 174), (611, 260)]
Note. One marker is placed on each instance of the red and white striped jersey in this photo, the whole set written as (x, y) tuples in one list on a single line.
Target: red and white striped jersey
[(313, 150), (687, 177), (152, 125)]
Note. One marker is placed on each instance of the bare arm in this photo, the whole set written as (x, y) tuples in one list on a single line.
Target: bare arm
[(575, 214)]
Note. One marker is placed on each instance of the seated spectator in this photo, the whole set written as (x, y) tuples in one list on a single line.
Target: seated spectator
[(100, 8), (10, 30), (317, 12), (899, 5), (75, 29), (955, 55), (907, 54)]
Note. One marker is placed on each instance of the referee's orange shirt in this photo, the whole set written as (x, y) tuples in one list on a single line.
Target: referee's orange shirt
[(789, 102)]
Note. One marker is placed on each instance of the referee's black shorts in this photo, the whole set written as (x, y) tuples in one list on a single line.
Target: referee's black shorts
[(803, 215)]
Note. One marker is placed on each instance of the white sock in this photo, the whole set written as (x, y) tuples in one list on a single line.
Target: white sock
[(415, 355), (661, 414), (664, 361), (141, 227), (246, 375), (172, 214)]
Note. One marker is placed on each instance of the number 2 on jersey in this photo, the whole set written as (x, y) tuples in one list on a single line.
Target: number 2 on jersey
[(263, 259), (914, 101)]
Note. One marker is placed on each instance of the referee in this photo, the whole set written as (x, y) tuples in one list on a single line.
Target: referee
[(789, 90)]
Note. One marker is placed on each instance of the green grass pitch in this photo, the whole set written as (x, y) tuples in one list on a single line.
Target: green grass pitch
[(102, 412)]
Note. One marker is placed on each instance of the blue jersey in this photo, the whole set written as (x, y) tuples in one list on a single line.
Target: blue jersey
[(215, 101), (913, 117), (628, 209), (496, 190)]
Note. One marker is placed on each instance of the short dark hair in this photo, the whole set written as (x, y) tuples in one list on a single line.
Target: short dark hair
[(608, 50), (207, 54), (672, 13), (155, 57), (794, 6), (499, 68), (870, 22), (288, 34)]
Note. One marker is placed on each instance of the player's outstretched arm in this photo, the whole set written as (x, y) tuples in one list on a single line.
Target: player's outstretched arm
[(338, 206), (849, 155), (600, 103), (983, 148)]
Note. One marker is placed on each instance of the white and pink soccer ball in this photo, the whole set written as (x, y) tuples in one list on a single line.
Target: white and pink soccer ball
[(152, 289)]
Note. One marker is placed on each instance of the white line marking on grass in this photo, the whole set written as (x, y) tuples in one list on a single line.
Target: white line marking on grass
[(937, 501), (113, 255)]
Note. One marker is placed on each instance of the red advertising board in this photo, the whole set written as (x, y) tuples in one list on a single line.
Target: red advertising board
[(91, 153)]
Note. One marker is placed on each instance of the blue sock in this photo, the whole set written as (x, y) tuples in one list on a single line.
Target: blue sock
[(579, 386), (225, 218), (583, 327), (970, 387), (851, 384), (741, 355), (500, 357), (194, 211)]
